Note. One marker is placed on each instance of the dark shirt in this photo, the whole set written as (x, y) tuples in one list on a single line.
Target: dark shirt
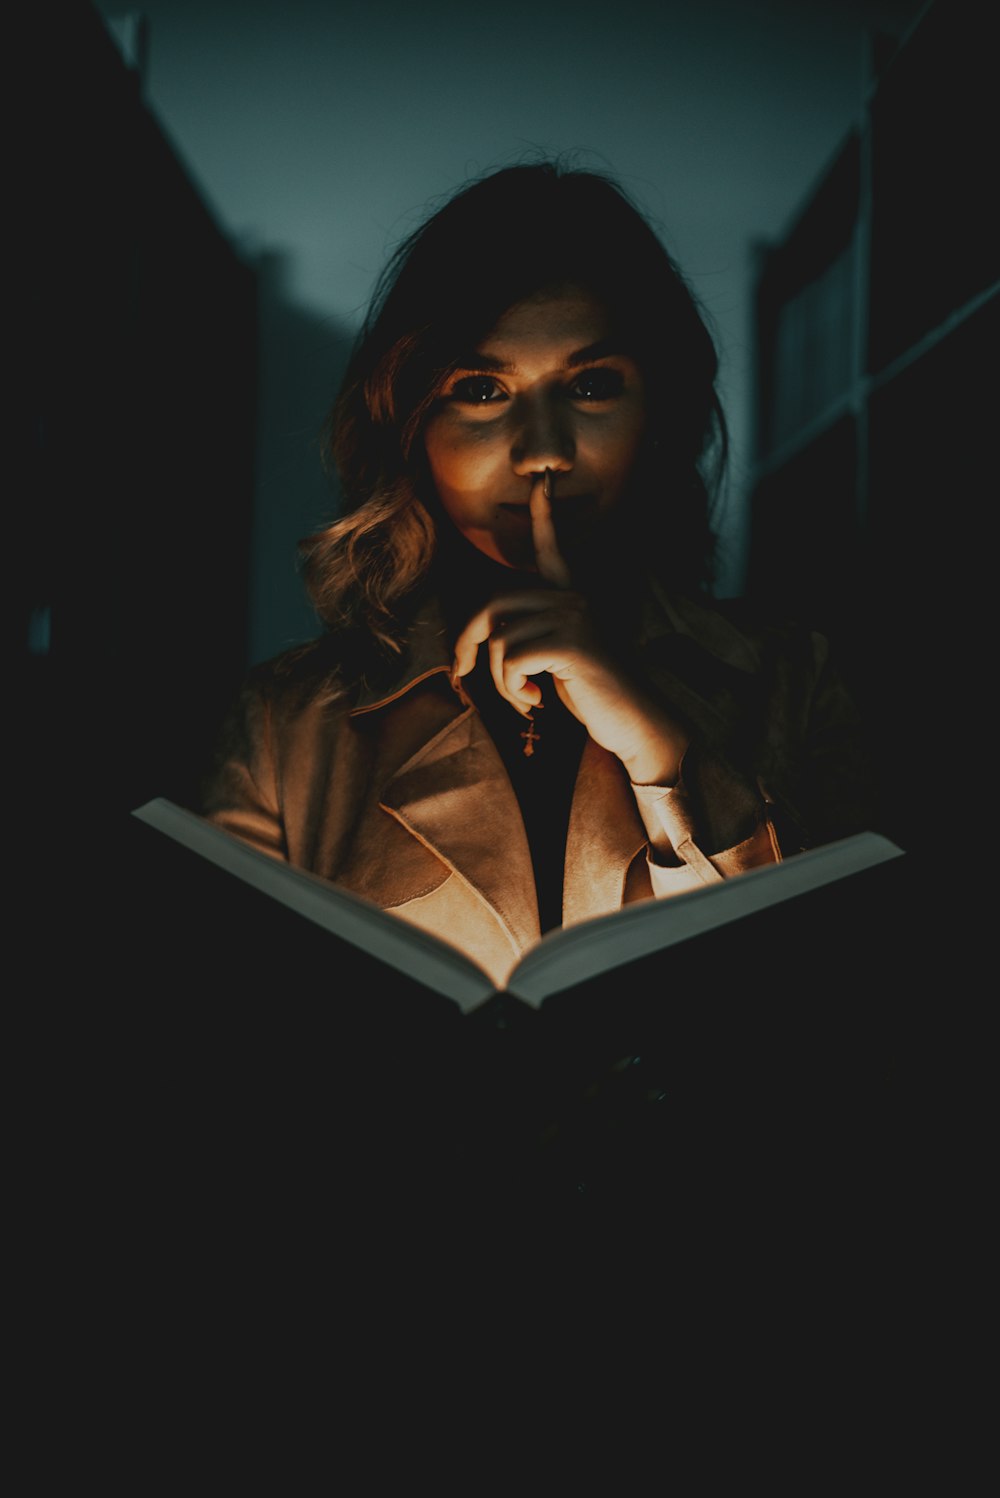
[(543, 781)]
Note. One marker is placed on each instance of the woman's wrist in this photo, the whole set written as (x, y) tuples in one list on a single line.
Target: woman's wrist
[(658, 761)]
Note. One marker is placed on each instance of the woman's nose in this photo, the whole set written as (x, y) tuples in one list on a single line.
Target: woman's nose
[(543, 438)]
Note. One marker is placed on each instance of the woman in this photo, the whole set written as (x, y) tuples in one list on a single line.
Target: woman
[(526, 711)]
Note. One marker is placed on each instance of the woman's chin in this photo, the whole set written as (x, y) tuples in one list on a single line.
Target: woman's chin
[(518, 557), (514, 552)]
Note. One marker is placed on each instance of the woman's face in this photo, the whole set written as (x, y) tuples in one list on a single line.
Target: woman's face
[(545, 389)]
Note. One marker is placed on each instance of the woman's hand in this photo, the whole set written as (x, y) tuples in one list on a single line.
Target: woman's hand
[(552, 630)]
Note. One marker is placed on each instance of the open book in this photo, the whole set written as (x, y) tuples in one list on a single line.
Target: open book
[(254, 1013), (625, 941)]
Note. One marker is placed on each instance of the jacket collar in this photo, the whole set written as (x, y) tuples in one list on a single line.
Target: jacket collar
[(426, 653), (708, 628)]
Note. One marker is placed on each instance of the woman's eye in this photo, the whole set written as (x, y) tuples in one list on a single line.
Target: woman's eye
[(476, 390), (598, 385)]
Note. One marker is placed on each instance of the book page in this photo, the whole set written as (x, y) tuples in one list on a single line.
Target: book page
[(402, 946)]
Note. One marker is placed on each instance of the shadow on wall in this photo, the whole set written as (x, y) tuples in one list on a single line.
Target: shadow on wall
[(126, 606), (302, 359)]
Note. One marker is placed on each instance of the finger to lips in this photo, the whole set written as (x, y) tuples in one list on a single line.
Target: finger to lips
[(486, 625), (550, 561)]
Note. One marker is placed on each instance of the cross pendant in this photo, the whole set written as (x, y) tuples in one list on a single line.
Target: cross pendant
[(530, 738)]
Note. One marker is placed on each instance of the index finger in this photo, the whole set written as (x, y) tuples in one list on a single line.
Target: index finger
[(551, 563)]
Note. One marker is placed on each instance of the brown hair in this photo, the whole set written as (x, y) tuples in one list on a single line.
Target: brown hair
[(444, 289)]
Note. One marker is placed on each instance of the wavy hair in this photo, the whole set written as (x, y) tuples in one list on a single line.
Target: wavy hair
[(493, 244)]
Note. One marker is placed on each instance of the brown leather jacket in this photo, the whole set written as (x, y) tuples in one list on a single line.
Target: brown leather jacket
[(400, 795)]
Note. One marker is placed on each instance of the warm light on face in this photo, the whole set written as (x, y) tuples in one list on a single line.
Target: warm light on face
[(545, 389)]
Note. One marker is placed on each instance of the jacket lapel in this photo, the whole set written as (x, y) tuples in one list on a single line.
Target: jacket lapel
[(605, 834), (454, 795)]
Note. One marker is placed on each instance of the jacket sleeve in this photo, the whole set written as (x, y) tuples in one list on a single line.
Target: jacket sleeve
[(793, 774), (687, 851), (239, 791)]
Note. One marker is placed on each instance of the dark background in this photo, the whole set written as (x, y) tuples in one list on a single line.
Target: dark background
[(192, 257), (319, 133)]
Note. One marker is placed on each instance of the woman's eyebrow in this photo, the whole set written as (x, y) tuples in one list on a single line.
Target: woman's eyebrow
[(477, 360), (603, 348)]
